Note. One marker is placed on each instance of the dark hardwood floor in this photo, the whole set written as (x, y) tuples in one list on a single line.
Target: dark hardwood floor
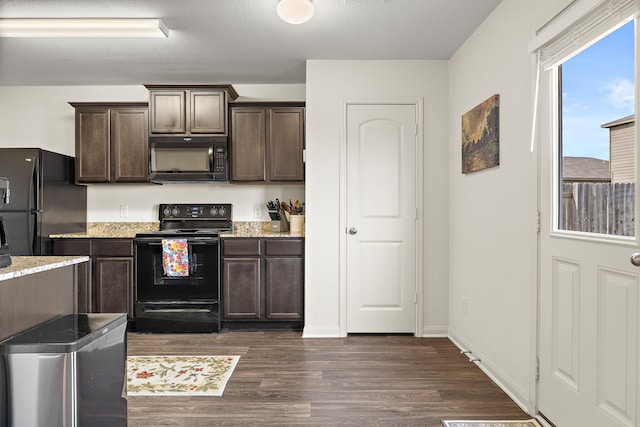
[(363, 380)]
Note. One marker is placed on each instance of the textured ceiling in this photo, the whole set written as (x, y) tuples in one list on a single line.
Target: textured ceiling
[(238, 41)]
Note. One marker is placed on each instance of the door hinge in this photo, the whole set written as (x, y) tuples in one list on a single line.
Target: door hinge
[(415, 298), (537, 368), (537, 221)]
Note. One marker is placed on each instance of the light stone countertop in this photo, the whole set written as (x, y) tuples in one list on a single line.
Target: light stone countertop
[(256, 229), (25, 265), (128, 230), (113, 230), (237, 234)]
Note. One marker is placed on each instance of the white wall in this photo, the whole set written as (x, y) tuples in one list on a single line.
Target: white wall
[(492, 229), (40, 116), (329, 85)]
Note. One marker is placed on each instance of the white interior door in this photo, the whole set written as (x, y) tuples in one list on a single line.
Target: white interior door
[(588, 318), (381, 214)]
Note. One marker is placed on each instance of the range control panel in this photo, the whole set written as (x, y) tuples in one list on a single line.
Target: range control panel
[(185, 211)]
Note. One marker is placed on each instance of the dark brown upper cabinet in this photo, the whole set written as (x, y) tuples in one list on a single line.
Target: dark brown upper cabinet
[(189, 110), (267, 143), (111, 142)]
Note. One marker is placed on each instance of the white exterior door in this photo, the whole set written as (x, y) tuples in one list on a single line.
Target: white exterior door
[(588, 318), (381, 164)]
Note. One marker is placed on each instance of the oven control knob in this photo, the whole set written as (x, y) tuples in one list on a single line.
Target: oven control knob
[(222, 211), (175, 211), (214, 211), (166, 211)]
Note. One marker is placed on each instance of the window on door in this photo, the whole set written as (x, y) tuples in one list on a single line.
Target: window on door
[(597, 137)]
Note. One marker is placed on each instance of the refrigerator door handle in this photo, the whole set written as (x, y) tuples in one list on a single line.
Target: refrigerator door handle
[(33, 186), (33, 234), (3, 235)]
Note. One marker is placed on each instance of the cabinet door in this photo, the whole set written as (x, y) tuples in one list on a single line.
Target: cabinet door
[(286, 144), (113, 285), (92, 145), (74, 247), (241, 288), (129, 145), (283, 288), (248, 141), (208, 112), (167, 112)]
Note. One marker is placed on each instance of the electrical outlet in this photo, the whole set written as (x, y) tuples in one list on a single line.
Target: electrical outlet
[(124, 211), (257, 211), (464, 305)]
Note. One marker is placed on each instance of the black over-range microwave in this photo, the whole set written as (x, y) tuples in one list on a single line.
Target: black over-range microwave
[(188, 159)]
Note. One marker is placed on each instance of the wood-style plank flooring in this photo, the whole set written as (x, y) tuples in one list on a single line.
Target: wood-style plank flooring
[(362, 380)]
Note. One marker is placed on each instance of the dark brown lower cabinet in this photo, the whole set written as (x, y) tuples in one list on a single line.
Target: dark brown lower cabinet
[(283, 265), (113, 285), (241, 288), (109, 286), (262, 280)]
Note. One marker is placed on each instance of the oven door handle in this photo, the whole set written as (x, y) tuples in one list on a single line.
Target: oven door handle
[(191, 243)]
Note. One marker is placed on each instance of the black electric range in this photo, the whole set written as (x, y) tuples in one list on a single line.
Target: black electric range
[(178, 269)]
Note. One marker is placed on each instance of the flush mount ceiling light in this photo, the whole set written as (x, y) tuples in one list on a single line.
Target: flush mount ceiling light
[(295, 11), (76, 27)]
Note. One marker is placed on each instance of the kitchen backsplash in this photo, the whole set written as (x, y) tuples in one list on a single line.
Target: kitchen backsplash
[(139, 202)]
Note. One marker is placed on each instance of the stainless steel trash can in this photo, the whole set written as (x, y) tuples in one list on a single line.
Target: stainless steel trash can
[(70, 371)]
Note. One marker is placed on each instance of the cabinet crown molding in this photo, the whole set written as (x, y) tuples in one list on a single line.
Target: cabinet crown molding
[(227, 87)]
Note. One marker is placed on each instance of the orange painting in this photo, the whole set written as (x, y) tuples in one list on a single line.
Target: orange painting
[(480, 136)]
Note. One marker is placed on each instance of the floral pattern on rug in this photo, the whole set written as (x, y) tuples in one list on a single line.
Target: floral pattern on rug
[(484, 423), (179, 375)]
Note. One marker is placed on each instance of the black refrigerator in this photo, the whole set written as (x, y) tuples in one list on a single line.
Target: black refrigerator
[(43, 200)]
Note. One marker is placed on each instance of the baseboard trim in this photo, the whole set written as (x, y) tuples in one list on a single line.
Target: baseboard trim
[(435, 332), (328, 332), (516, 393)]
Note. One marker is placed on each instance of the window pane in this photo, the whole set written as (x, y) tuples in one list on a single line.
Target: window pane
[(597, 137)]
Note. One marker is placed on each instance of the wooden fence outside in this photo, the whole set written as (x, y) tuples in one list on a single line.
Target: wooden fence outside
[(596, 207)]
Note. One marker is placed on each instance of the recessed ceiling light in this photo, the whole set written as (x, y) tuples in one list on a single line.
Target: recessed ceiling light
[(80, 27)]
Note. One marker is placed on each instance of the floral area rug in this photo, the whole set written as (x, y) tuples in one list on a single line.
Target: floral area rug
[(484, 423), (179, 375)]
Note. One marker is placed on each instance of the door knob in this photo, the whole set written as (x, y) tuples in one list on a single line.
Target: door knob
[(635, 259), (354, 230)]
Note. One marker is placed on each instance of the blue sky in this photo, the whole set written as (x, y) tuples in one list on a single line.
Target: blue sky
[(597, 87)]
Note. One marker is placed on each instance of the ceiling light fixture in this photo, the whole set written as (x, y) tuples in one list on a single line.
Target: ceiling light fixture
[(77, 27), (295, 11)]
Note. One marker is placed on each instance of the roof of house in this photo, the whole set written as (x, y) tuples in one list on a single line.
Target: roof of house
[(622, 121), (585, 169)]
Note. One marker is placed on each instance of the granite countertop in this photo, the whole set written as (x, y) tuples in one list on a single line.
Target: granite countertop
[(256, 229), (242, 233), (113, 230), (25, 265), (128, 230)]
